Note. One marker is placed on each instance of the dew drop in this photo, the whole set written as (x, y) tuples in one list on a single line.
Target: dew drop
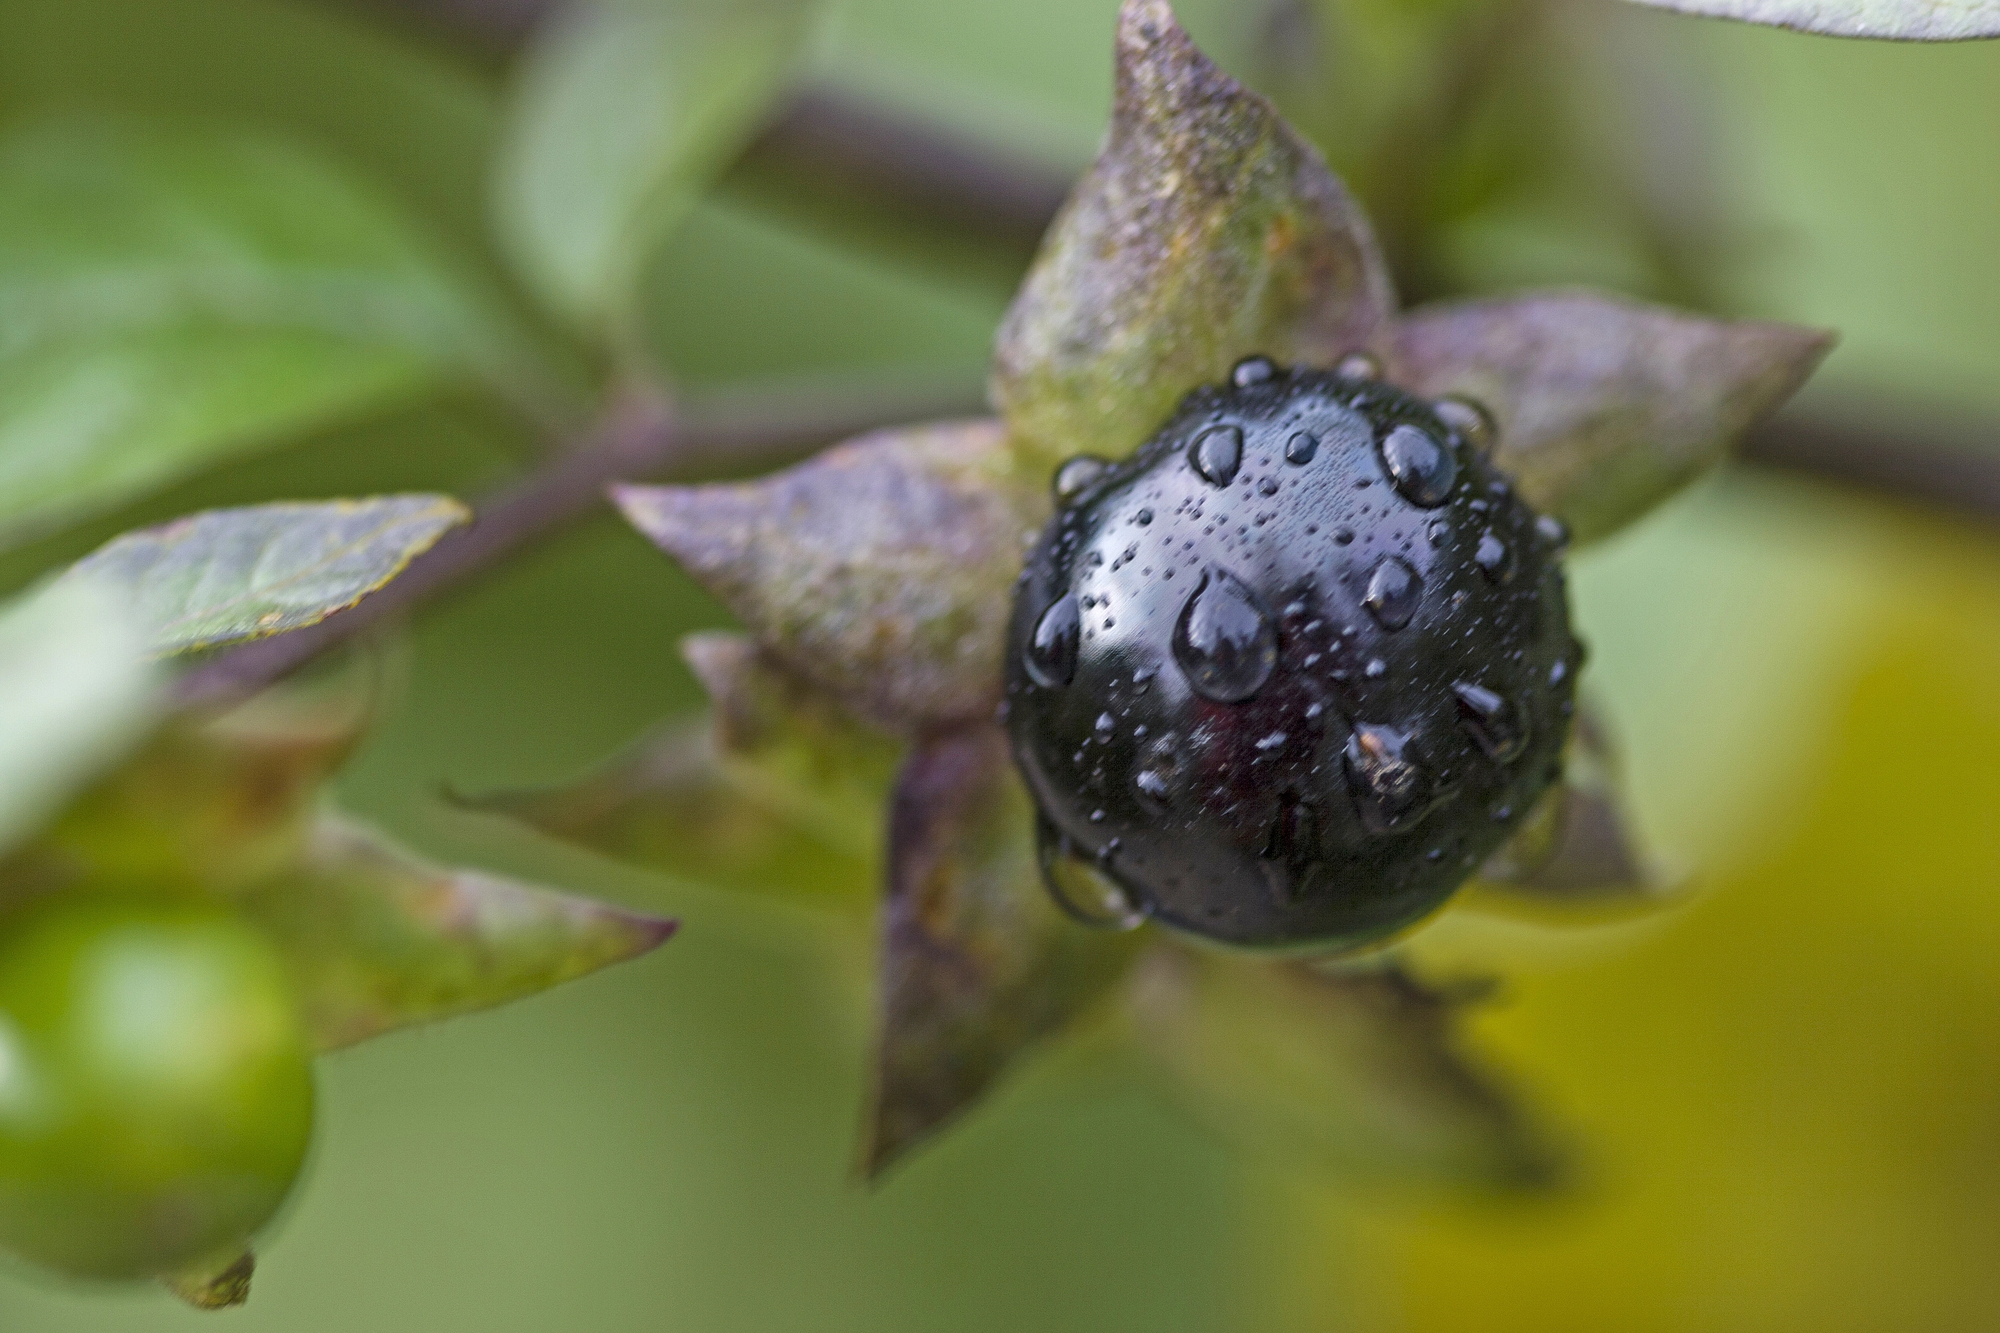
[(1275, 741), (1143, 518), (1078, 887), (1301, 447), (1050, 656), (1268, 486), (1390, 787), (1492, 721), (1152, 782), (1394, 590), (1343, 536), (1106, 724), (1217, 453), (1358, 366), (1495, 561), (1077, 475), (1553, 531), (1469, 420), (1375, 669), (1253, 370), (1225, 643), (1422, 470)]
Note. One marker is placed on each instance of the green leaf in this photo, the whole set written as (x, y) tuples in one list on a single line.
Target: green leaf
[(1353, 1076), (882, 570), (1207, 230), (232, 574), (376, 940), (1577, 847), (978, 964), (1605, 406), (1896, 20), (779, 792), (626, 111), (176, 294), (75, 694)]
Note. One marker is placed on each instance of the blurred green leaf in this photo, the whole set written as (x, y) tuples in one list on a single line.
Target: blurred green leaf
[(1605, 406), (1207, 230), (376, 940), (626, 110), (1897, 20), (75, 692), (176, 293), (780, 791), (232, 574), (881, 570), (978, 964), (1355, 1076)]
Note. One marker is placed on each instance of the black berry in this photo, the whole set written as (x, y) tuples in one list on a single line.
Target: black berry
[(1289, 673)]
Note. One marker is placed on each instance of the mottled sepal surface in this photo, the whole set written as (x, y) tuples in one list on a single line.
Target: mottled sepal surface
[(1290, 673), (1605, 406), (877, 570), (977, 965), (1206, 229)]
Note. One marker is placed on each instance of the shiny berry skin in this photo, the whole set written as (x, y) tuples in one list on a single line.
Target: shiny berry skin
[(156, 1089), (1288, 674)]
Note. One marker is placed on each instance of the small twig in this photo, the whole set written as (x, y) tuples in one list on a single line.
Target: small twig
[(640, 439), (931, 171), (1912, 453)]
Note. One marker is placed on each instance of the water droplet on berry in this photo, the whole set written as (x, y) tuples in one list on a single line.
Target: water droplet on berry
[(1301, 447), (1552, 530), (1394, 590), (1080, 888), (1106, 724), (1422, 469), (1077, 475), (1390, 788), (1469, 420), (1051, 653), (1218, 453), (1492, 721), (1358, 366), (1224, 642), (1252, 370), (1495, 561)]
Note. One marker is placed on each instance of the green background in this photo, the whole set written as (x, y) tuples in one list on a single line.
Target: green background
[(1785, 1093)]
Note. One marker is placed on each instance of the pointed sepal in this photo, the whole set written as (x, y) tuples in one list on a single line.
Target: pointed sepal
[(1207, 230), (1358, 1075), (778, 792), (1605, 406), (882, 570), (1578, 846), (377, 940), (221, 1284), (210, 804), (978, 965)]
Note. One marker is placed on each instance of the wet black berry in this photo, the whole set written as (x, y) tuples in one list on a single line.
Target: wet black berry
[(1289, 673)]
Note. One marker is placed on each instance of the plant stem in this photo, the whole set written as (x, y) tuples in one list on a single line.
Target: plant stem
[(639, 438)]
